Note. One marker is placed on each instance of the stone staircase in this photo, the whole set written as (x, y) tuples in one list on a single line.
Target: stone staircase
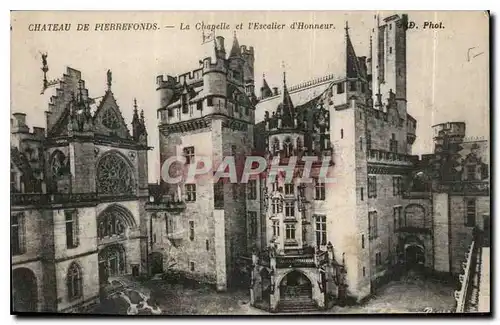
[(297, 305)]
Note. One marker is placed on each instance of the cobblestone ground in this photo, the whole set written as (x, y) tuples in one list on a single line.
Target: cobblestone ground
[(410, 294)]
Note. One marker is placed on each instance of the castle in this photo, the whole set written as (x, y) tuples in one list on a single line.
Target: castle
[(294, 244)]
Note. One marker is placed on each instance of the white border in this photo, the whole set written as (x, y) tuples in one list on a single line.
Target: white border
[(183, 5)]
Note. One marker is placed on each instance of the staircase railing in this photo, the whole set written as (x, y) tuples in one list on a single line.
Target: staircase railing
[(460, 295)]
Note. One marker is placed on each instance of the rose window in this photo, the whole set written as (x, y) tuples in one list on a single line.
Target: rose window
[(114, 176)]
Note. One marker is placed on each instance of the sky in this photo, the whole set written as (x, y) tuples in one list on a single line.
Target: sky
[(447, 68)]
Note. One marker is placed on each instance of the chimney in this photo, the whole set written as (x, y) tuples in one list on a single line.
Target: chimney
[(19, 123), (275, 91)]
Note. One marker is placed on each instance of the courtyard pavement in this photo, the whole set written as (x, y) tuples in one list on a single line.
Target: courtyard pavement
[(410, 294)]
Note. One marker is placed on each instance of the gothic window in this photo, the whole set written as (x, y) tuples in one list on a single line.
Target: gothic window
[(189, 154), (373, 224), (299, 144), (114, 176), (111, 223), (110, 120), (58, 164), (289, 190), (288, 147), (471, 172), (74, 282), (470, 212)]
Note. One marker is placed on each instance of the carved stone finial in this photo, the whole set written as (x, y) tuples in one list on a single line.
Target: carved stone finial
[(109, 79)]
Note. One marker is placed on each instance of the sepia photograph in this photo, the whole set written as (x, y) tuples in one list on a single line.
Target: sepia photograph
[(178, 163)]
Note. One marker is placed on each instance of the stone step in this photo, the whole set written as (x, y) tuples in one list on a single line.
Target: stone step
[(298, 305)]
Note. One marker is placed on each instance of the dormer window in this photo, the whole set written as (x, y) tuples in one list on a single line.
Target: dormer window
[(185, 104)]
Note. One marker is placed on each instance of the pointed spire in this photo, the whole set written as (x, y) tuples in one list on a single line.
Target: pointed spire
[(286, 105), (353, 69), (135, 116), (265, 90), (235, 50), (142, 116)]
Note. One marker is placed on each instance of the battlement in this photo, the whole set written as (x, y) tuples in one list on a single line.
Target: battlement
[(453, 129)]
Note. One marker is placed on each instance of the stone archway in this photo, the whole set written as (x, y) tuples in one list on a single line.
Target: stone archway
[(295, 285), (414, 252), (24, 290)]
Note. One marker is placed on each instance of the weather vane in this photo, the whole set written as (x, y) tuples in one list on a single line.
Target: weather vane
[(45, 69)]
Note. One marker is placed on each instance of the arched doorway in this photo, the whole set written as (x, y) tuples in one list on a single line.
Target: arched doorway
[(295, 285), (156, 259), (415, 256), (24, 290), (112, 262)]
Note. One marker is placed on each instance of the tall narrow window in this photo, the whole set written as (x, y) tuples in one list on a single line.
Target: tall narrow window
[(373, 224), (74, 282), (320, 231), (319, 189), (352, 86), (17, 234), (72, 229), (397, 217), (190, 192), (361, 192), (191, 230), (290, 231), (289, 189), (191, 266), (276, 228), (252, 189), (341, 133), (189, 154), (361, 143), (393, 144), (364, 271), (363, 241), (470, 212), (372, 186), (210, 101), (396, 185), (207, 245)]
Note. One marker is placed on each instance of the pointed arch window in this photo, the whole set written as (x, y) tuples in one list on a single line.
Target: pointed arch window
[(110, 120), (74, 282), (59, 164), (114, 176)]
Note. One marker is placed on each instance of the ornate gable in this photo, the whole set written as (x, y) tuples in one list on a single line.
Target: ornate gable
[(108, 119)]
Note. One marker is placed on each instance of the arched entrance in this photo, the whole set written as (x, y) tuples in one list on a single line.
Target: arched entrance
[(295, 285), (415, 256), (24, 290), (112, 262), (156, 259)]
